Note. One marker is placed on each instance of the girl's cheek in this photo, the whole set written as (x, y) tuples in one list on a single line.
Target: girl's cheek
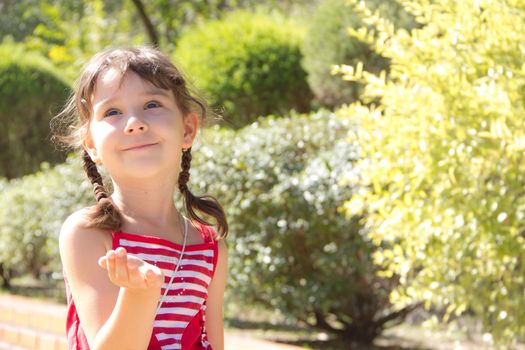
[(165, 120)]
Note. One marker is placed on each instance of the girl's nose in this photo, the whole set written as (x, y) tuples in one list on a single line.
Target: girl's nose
[(135, 125)]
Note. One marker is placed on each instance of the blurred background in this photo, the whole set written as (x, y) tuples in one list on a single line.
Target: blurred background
[(369, 158)]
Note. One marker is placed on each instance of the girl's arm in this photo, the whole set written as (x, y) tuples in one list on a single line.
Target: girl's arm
[(214, 325), (116, 312)]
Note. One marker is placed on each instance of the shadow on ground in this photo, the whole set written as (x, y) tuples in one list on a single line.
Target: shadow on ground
[(302, 337), (53, 293)]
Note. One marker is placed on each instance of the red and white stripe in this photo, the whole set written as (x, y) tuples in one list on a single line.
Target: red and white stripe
[(189, 290)]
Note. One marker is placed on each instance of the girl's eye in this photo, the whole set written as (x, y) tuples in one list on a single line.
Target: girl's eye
[(111, 113), (152, 104)]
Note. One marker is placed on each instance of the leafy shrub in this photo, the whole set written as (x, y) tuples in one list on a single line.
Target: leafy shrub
[(443, 157), (250, 64), (30, 90), (291, 248), (32, 210), (280, 181), (327, 43)]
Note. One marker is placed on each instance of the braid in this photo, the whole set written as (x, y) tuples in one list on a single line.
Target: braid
[(94, 176), (184, 175), (206, 204), (104, 214)]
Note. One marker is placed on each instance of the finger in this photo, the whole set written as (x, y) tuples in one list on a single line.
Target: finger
[(121, 266), (120, 250), (110, 265), (133, 262), (135, 277), (153, 275), (149, 278), (102, 262)]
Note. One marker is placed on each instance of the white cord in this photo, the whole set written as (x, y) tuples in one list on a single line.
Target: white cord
[(177, 267)]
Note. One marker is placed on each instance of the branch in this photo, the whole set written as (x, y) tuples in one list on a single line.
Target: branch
[(320, 322), (152, 33), (398, 314)]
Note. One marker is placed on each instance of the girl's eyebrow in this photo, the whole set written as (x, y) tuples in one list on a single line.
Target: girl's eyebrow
[(149, 92), (104, 102), (157, 91)]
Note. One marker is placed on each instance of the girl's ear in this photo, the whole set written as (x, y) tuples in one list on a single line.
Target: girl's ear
[(89, 146), (190, 124)]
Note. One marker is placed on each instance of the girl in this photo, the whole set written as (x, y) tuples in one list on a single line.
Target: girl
[(138, 274)]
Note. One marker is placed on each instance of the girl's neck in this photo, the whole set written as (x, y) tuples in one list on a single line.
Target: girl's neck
[(146, 209)]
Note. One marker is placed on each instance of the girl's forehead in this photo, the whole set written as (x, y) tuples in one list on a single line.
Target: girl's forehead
[(109, 77), (112, 80)]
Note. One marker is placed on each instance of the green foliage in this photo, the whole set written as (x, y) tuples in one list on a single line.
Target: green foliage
[(280, 181), (32, 210), (247, 63), (71, 32), (443, 158), (18, 18), (31, 90), (290, 247), (327, 44), (171, 17)]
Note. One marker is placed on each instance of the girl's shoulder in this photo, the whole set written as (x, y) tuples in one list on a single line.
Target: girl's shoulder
[(76, 231), (91, 292)]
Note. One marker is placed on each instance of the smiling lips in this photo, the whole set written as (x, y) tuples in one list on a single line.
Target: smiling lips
[(139, 146)]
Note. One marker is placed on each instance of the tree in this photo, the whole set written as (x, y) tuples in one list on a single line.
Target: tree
[(327, 43), (148, 26), (18, 18), (442, 140), (171, 17), (69, 32)]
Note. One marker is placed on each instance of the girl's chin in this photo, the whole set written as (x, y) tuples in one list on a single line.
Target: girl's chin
[(141, 170)]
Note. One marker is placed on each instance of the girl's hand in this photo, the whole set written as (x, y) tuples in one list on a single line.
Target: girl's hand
[(129, 271)]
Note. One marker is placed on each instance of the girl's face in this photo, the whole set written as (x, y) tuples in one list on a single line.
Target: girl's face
[(136, 129)]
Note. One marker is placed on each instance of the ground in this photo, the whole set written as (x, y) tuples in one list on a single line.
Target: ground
[(264, 329)]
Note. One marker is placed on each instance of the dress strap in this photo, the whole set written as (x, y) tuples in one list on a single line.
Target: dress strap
[(207, 232)]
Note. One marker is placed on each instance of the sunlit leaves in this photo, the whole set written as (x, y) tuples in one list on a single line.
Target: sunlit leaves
[(443, 158)]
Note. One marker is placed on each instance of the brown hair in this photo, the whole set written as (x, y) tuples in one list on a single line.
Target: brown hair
[(71, 125)]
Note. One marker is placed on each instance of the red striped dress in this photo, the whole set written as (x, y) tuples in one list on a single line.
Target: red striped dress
[(179, 324)]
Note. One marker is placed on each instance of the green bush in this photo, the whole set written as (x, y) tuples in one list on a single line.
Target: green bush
[(280, 182), (292, 249), (30, 91), (249, 64), (327, 43), (32, 210), (443, 156)]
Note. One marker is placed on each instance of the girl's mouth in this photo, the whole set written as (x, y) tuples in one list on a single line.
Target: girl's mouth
[(139, 146)]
